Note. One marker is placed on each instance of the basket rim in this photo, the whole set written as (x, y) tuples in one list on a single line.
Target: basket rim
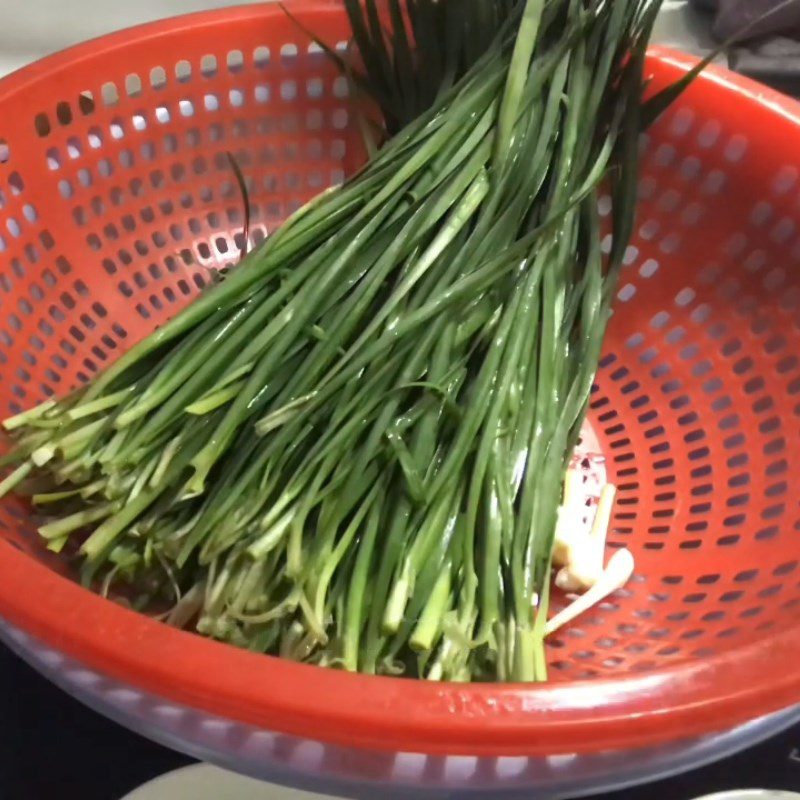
[(381, 713)]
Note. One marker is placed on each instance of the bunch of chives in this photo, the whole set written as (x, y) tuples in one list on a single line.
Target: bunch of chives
[(350, 451)]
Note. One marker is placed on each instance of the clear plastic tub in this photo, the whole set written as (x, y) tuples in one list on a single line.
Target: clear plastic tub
[(358, 773)]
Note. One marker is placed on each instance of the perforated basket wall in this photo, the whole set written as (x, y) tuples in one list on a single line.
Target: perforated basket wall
[(117, 202)]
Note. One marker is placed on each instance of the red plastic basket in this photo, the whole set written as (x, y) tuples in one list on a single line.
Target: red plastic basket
[(116, 201)]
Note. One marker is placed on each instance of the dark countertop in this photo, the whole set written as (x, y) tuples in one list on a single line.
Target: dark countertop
[(54, 748)]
